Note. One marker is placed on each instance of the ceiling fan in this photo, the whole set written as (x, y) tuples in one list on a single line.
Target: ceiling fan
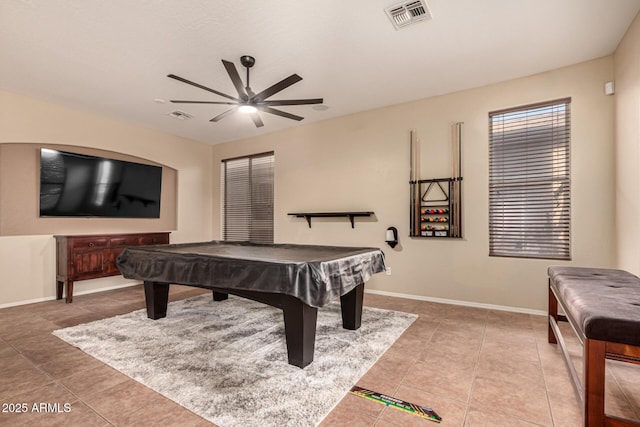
[(248, 101)]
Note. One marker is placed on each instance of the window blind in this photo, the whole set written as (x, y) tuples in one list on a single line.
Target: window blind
[(529, 181), (247, 198)]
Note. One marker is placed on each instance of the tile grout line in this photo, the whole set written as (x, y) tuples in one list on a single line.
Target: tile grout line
[(53, 380), (79, 399), (544, 375), (475, 370), (395, 390), (636, 411)]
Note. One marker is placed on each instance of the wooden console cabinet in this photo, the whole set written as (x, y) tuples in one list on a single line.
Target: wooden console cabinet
[(85, 257)]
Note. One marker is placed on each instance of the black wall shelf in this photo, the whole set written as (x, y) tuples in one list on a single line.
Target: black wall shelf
[(309, 215)]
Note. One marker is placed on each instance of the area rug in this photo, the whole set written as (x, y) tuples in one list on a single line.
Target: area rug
[(227, 361)]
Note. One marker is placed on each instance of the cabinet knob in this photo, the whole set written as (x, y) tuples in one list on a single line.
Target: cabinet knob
[(90, 244)]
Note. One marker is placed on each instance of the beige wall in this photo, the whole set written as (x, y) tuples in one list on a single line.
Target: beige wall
[(627, 130), (358, 162), (27, 263), (361, 162)]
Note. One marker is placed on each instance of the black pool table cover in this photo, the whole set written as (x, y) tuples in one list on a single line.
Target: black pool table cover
[(316, 275)]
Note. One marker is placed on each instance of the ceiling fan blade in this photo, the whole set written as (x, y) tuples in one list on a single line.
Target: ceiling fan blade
[(235, 78), (189, 82), (257, 120), (280, 113), (294, 101), (281, 85), (201, 102), (223, 115)]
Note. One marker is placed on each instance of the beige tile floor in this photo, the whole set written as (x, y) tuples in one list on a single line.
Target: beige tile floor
[(475, 367)]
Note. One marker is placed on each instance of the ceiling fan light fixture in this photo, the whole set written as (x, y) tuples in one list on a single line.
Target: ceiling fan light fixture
[(247, 101), (247, 109)]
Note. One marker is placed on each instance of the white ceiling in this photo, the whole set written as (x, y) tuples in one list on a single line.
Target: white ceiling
[(112, 57)]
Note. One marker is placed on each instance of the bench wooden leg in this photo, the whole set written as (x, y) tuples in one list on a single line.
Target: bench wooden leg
[(553, 312), (594, 378)]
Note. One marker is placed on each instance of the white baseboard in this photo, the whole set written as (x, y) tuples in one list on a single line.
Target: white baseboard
[(75, 293), (370, 291), (457, 302), (107, 288), (29, 301)]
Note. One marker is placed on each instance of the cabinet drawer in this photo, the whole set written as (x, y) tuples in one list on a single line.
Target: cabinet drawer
[(124, 241), (89, 243), (154, 239)]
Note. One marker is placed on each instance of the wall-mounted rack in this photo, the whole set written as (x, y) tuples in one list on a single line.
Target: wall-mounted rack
[(437, 207), (435, 204), (309, 215)]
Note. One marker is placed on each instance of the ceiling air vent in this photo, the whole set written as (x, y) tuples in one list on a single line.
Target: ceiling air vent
[(180, 115), (404, 14)]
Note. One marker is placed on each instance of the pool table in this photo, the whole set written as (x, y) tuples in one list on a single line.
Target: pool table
[(295, 278)]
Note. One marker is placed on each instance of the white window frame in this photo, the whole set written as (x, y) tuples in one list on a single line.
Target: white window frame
[(529, 181), (246, 198)]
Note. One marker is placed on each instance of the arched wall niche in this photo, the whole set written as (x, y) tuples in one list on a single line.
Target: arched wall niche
[(20, 191)]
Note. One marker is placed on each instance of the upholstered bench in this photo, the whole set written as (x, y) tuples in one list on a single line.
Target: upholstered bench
[(603, 308)]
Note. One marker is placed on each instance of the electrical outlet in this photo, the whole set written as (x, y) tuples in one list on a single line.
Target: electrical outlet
[(388, 271)]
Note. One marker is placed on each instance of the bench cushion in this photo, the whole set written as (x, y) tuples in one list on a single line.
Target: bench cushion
[(605, 303)]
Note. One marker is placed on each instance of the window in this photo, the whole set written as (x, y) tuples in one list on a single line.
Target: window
[(247, 198), (529, 181)]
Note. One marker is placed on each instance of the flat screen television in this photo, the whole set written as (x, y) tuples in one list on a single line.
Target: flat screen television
[(79, 185)]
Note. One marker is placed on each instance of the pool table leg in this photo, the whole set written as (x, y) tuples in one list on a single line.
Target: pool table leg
[(219, 296), (351, 305), (300, 330), (156, 296)]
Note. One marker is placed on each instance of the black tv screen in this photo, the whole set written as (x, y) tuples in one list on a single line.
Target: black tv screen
[(78, 185)]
